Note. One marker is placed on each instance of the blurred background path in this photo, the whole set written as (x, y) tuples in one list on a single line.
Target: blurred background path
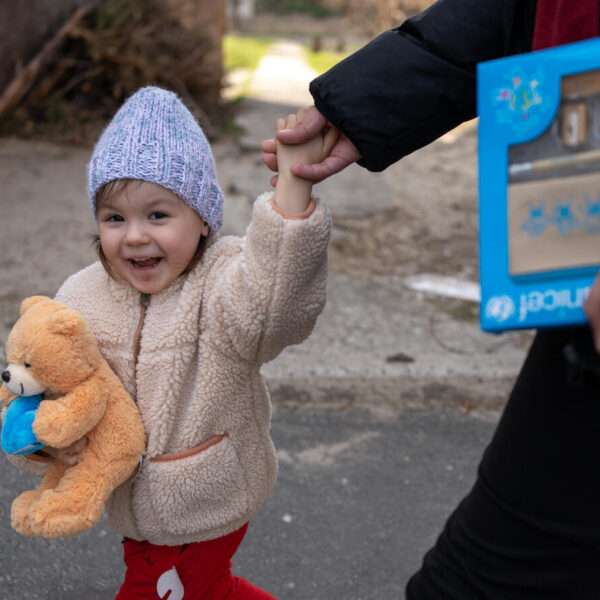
[(283, 75)]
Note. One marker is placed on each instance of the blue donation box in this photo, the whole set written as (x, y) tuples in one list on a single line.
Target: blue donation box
[(539, 186)]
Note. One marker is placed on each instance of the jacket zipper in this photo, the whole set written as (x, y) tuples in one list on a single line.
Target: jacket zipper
[(137, 339)]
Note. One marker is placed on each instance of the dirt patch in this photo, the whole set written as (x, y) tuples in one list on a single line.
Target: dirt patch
[(396, 243), (433, 228)]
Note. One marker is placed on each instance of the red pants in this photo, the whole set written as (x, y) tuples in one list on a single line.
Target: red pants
[(199, 571)]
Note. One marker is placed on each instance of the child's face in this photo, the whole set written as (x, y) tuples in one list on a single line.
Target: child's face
[(148, 235)]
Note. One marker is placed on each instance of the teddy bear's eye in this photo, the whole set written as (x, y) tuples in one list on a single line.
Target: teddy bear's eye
[(27, 365)]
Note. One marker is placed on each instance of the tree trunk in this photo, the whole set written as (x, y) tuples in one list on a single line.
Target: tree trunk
[(25, 26)]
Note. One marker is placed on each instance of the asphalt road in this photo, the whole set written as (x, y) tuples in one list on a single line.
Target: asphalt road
[(361, 495)]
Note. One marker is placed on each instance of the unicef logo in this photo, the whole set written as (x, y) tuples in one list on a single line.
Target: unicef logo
[(500, 308)]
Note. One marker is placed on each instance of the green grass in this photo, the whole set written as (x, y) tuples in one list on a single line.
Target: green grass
[(313, 8), (244, 52), (324, 60)]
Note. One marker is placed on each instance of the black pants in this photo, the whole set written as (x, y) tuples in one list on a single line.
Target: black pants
[(530, 527)]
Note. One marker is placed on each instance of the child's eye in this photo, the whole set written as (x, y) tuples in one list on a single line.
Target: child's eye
[(114, 219), (158, 215)]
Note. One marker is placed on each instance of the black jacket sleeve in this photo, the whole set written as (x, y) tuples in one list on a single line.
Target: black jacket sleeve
[(412, 84)]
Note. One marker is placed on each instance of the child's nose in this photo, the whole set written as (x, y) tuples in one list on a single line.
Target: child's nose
[(136, 234)]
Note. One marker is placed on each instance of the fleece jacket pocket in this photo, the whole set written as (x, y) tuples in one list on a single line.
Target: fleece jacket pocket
[(200, 491)]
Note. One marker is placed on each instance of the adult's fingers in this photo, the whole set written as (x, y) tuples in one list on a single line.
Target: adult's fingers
[(592, 311), (343, 154), (319, 171), (270, 160), (310, 126)]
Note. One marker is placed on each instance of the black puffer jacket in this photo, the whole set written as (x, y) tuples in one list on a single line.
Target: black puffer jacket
[(412, 84)]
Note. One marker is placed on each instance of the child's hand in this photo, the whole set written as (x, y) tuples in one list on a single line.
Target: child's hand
[(67, 455), (292, 193), (312, 151), (342, 154)]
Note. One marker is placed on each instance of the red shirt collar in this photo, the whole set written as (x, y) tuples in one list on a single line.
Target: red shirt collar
[(559, 22)]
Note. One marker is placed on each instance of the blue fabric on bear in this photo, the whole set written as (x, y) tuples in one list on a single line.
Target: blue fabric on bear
[(17, 434)]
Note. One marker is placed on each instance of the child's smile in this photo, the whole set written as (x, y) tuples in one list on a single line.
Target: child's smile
[(148, 235), (145, 263)]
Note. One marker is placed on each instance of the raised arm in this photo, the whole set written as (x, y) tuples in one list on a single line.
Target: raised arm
[(270, 294)]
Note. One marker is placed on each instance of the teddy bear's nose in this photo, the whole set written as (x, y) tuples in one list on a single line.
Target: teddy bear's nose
[(6, 376)]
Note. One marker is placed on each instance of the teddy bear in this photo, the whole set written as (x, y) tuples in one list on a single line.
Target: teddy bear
[(51, 351)]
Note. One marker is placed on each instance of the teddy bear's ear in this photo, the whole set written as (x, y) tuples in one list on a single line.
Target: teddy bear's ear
[(65, 322), (29, 302)]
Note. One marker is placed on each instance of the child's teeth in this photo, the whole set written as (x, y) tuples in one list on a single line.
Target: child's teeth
[(146, 262)]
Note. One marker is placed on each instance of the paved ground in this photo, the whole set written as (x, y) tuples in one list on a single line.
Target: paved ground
[(380, 418), (360, 497)]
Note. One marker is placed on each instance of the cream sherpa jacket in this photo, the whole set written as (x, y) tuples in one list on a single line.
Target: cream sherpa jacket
[(210, 461)]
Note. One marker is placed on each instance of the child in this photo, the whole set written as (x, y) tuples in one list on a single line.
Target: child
[(186, 319)]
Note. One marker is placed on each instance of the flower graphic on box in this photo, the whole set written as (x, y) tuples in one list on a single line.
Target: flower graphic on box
[(519, 100)]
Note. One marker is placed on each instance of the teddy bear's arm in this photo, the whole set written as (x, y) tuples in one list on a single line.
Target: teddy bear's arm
[(5, 396), (61, 422)]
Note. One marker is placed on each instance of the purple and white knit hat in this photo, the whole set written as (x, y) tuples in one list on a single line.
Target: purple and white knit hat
[(155, 138)]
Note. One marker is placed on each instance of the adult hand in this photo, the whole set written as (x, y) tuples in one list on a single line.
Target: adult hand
[(342, 154), (592, 310), (67, 455)]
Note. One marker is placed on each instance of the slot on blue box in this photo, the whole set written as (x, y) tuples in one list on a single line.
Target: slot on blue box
[(539, 186)]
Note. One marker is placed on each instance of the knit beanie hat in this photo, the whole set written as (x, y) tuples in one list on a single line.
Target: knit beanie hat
[(155, 138)]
